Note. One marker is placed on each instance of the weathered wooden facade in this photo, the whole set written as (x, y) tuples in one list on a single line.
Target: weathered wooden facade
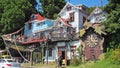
[(70, 21)]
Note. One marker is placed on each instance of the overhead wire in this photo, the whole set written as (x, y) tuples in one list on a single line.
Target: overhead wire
[(20, 52), (6, 46)]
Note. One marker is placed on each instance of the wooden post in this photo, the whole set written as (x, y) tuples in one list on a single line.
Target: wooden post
[(31, 59), (42, 54), (47, 52)]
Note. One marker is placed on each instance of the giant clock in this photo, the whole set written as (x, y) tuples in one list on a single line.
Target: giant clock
[(92, 40)]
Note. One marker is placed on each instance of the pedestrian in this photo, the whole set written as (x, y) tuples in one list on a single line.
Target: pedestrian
[(60, 61)]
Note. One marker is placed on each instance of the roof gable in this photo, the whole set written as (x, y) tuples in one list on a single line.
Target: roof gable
[(36, 17), (67, 4), (40, 17), (60, 22), (97, 16), (95, 12)]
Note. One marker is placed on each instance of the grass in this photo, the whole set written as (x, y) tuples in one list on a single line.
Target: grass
[(37, 65), (99, 64)]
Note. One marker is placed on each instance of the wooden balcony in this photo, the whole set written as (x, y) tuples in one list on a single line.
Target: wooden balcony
[(31, 39), (61, 37)]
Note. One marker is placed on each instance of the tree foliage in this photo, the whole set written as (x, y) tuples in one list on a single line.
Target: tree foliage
[(52, 7), (113, 24), (13, 14)]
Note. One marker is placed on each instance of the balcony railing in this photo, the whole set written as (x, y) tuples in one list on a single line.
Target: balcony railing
[(32, 39), (61, 36), (53, 37)]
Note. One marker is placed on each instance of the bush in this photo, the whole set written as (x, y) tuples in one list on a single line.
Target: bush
[(114, 56), (75, 61)]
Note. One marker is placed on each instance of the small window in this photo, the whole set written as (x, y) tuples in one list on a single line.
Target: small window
[(84, 19), (29, 26), (69, 8), (10, 60), (60, 23), (71, 17), (3, 61), (43, 22), (35, 17), (61, 29), (38, 24), (50, 52)]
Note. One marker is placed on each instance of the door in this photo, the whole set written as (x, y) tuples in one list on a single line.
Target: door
[(92, 54), (62, 52)]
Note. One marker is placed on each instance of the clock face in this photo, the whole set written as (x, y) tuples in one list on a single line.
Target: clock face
[(92, 40)]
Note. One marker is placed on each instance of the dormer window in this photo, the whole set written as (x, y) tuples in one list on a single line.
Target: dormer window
[(29, 26), (72, 17), (35, 17), (69, 8)]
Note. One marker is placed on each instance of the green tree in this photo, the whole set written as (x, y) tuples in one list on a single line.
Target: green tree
[(113, 24), (52, 7), (13, 14)]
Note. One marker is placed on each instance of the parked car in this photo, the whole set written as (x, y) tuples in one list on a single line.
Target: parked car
[(9, 63)]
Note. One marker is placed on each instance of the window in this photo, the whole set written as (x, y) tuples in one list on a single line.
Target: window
[(50, 52), (84, 19), (61, 29), (38, 24), (69, 8), (2, 61), (71, 17), (29, 25), (35, 17)]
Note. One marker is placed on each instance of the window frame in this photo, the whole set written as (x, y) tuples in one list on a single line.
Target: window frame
[(50, 52), (72, 16)]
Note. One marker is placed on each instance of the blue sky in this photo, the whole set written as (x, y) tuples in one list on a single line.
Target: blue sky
[(89, 3)]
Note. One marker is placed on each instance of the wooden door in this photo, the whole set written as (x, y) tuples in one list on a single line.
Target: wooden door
[(92, 54), (62, 52)]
